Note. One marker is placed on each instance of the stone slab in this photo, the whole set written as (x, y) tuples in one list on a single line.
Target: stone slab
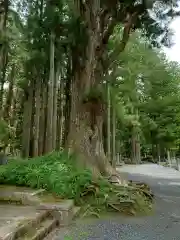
[(16, 189), (14, 213), (63, 205)]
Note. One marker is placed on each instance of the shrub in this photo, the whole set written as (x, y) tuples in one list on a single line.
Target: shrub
[(54, 172)]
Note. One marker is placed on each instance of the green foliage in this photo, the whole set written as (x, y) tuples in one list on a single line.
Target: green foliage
[(6, 133), (54, 172), (57, 174), (145, 93)]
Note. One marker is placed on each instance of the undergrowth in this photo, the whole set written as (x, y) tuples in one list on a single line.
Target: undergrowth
[(57, 173)]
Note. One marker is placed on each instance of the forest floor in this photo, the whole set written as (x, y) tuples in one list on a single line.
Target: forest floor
[(163, 224)]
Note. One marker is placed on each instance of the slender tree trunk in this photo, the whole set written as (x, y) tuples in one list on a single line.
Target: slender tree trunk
[(136, 150), (49, 127), (31, 151), (133, 145), (43, 119), (15, 100), (67, 109), (105, 134), (169, 157), (67, 105), (154, 152), (55, 97), (27, 122), (158, 153), (2, 80), (113, 138), (108, 123), (58, 142), (60, 119), (22, 97), (9, 98), (4, 4), (37, 117)]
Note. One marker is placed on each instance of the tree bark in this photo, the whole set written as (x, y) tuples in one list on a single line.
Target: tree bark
[(27, 122), (37, 118), (86, 117), (135, 143), (49, 127), (158, 152), (43, 119), (113, 138), (85, 136), (67, 105), (4, 5), (55, 97), (59, 115), (8, 105), (108, 123), (16, 98), (169, 157)]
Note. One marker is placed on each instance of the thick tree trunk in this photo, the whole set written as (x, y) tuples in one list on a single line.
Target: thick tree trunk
[(86, 117), (85, 136)]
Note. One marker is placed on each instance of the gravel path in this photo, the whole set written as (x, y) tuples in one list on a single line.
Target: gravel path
[(163, 225)]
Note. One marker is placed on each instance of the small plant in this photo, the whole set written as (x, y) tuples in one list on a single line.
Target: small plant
[(68, 238)]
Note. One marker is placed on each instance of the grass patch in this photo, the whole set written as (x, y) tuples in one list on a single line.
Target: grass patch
[(57, 173)]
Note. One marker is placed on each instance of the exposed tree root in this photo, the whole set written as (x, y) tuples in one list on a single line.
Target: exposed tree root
[(104, 196)]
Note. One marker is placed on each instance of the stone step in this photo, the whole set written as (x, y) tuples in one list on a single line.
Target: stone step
[(40, 231), (18, 228), (53, 234), (32, 223), (62, 211), (48, 212)]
